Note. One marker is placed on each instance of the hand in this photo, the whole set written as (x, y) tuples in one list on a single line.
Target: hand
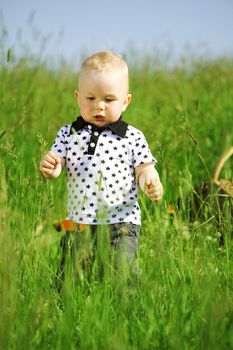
[(149, 182), (154, 189), (50, 165)]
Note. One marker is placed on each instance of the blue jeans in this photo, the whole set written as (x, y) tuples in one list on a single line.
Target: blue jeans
[(117, 243)]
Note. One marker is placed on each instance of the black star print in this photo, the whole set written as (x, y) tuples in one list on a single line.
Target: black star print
[(130, 150)]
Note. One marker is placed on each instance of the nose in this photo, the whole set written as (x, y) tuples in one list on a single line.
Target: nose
[(100, 105)]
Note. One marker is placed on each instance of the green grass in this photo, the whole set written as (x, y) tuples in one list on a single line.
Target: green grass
[(183, 298)]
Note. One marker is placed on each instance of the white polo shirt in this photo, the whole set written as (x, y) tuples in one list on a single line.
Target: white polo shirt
[(100, 164)]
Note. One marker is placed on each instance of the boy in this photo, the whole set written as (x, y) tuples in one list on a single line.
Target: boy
[(104, 156)]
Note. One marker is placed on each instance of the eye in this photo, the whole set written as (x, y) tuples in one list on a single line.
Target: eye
[(109, 99), (91, 98)]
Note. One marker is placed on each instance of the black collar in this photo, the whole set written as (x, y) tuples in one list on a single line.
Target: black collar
[(119, 127)]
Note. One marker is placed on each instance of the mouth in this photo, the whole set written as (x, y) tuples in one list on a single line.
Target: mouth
[(99, 118)]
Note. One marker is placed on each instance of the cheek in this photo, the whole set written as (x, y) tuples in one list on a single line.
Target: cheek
[(116, 108), (84, 106)]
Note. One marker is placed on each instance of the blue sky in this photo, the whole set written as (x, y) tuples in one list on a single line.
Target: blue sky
[(203, 27)]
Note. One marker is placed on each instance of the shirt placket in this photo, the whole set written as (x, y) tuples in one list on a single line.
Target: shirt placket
[(93, 140)]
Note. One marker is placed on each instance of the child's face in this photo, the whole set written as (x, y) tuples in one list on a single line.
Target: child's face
[(102, 96)]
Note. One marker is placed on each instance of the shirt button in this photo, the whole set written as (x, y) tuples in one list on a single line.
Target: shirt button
[(96, 133), (89, 127), (92, 144)]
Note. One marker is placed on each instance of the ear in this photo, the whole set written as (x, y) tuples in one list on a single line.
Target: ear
[(126, 102), (76, 94)]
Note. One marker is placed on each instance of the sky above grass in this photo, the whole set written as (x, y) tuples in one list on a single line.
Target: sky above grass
[(72, 27)]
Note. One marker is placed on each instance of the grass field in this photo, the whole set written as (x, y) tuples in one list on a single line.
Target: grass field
[(183, 298)]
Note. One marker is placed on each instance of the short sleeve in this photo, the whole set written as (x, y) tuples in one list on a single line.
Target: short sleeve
[(59, 146), (141, 151)]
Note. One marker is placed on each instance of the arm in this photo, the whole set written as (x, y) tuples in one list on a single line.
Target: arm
[(51, 165), (149, 181)]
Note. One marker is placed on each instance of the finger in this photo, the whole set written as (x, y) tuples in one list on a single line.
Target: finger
[(150, 183), (153, 198), (47, 165), (46, 171), (53, 156), (151, 189), (150, 192), (156, 187), (155, 195), (52, 160), (158, 195)]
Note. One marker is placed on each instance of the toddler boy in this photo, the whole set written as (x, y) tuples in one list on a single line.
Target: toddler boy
[(105, 157)]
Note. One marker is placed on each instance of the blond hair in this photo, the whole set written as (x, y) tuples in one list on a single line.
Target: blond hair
[(104, 61)]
